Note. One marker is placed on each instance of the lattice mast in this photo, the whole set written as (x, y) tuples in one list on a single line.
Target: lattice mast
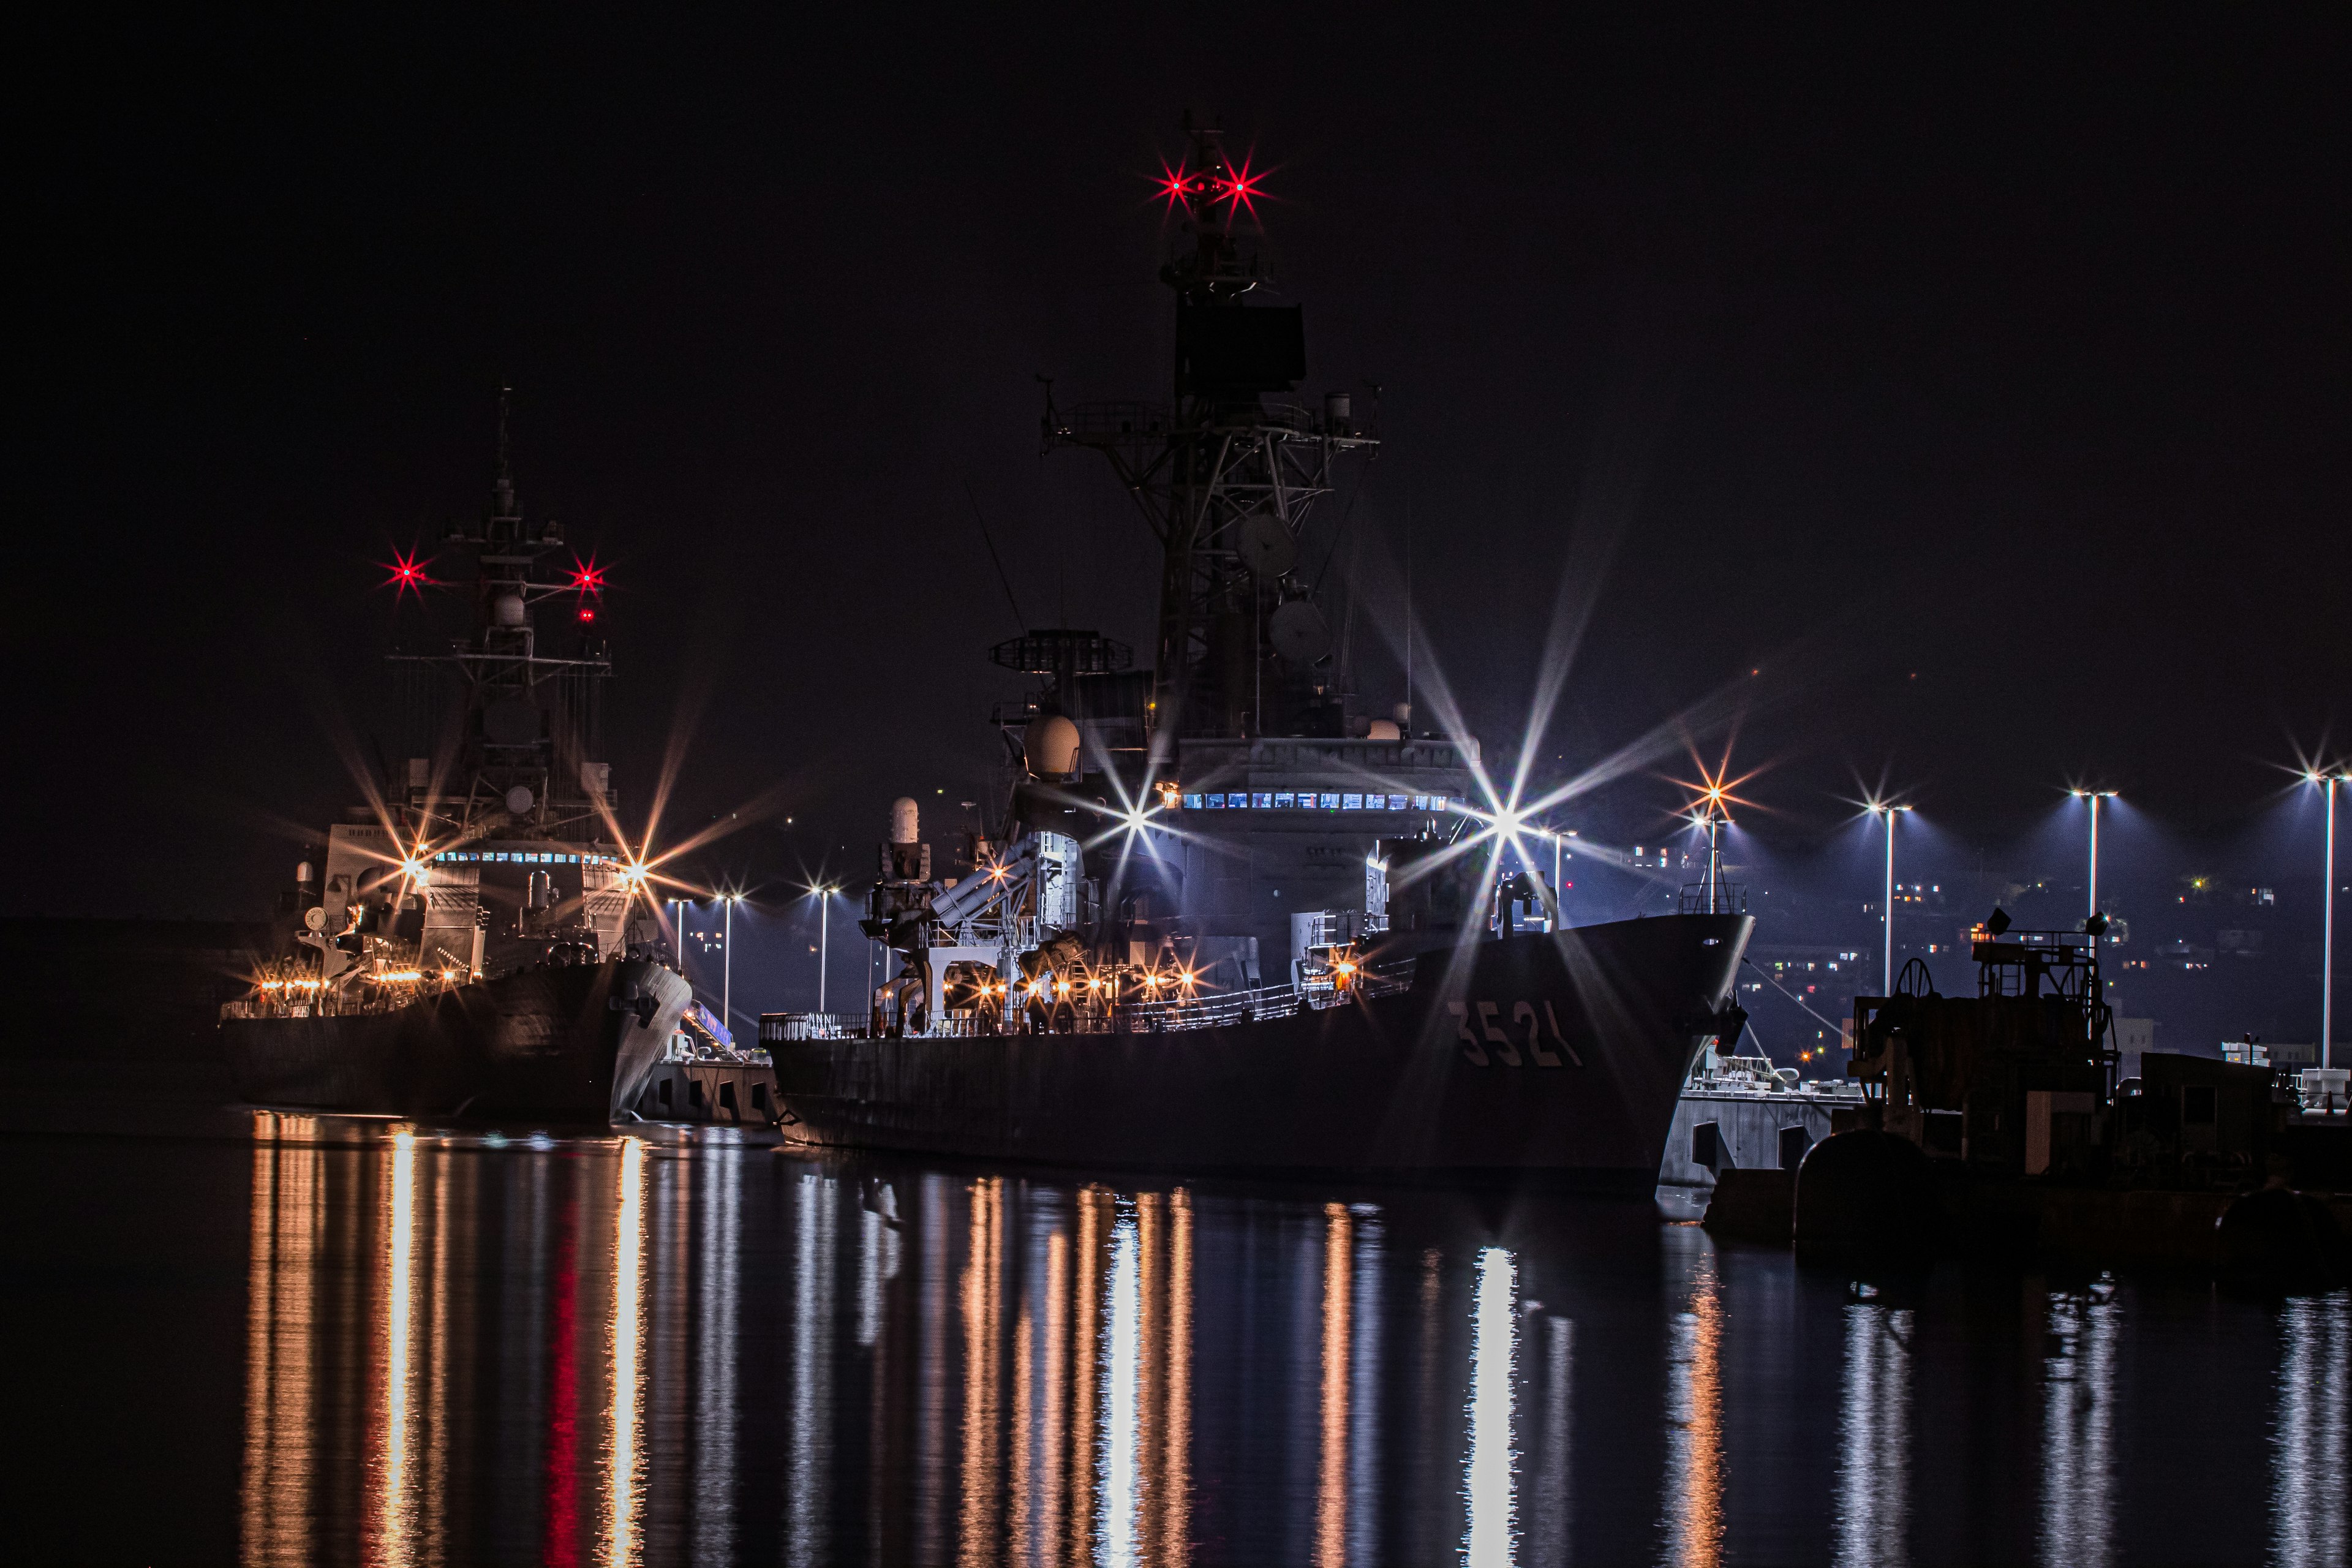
[(1225, 476), (519, 738)]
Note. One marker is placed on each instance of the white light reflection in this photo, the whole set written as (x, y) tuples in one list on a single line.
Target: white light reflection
[(622, 1487), (1874, 1484), (1488, 1480), (2308, 1523), (2077, 1417), (714, 1351), (1116, 1463), (1548, 1528), (812, 1445), (878, 1260)]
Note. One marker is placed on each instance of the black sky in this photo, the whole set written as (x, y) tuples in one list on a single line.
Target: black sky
[(1984, 388)]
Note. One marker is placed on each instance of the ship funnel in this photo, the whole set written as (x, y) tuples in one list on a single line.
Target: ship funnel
[(904, 820)]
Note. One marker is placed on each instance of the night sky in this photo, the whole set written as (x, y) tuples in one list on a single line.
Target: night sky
[(1985, 393)]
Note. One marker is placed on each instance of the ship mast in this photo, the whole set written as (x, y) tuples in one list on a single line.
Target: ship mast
[(524, 726), (1226, 475)]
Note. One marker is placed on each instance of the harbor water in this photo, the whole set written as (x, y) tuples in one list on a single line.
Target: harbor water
[(324, 1342)]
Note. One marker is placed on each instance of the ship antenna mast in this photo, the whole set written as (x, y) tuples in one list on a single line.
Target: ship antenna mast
[(1225, 476), (502, 493)]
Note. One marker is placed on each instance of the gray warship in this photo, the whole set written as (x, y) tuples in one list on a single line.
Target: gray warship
[(477, 940), (1221, 919)]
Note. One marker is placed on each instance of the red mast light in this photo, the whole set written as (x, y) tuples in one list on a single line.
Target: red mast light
[(407, 572), (1240, 187)]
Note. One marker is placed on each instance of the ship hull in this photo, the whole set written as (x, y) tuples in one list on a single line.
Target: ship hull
[(1558, 1058), (567, 1043)]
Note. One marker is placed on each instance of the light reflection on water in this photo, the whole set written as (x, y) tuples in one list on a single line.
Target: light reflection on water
[(1873, 1473), (2311, 1515), (623, 1350), (2078, 1388), (1486, 1478)]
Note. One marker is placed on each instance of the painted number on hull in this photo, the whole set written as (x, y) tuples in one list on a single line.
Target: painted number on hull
[(1487, 1027)]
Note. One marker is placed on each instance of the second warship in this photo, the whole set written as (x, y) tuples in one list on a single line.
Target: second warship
[(1220, 919), (477, 940)]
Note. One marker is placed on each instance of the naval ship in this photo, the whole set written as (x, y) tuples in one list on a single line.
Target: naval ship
[(478, 940), (1221, 919)]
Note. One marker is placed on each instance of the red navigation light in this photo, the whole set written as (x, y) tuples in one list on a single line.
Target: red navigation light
[(408, 573), (1240, 187), (1175, 185), (587, 577), (586, 614)]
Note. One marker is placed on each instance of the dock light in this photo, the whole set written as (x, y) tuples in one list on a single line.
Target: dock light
[(823, 893), (2327, 781), (1888, 810), (2094, 796), (727, 960)]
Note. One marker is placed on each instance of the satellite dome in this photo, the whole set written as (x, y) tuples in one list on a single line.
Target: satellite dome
[(1051, 742), (508, 610), (519, 800)]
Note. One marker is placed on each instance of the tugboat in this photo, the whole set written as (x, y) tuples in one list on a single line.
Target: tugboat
[(1222, 920), (480, 941)]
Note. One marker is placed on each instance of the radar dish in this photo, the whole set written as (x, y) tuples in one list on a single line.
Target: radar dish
[(1266, 547), (1299, 633)]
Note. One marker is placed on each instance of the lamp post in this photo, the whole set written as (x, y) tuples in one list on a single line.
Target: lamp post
[(2327, 923), (2095, 796), (1888, 909), (727, 962), (823, 893), (1711, 816)]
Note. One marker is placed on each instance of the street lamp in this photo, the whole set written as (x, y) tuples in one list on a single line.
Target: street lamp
[(823, 893), (2095, 796), (726, 961), (1888, 908), (1711, 816), (2328, 923)]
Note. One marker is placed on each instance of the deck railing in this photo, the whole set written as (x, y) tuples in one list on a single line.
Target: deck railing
[(1219, 1009)]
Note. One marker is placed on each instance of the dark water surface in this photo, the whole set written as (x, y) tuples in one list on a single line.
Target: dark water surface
[(338, 1343)]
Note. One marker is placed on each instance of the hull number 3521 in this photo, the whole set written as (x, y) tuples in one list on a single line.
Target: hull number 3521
[(1490, 1027)]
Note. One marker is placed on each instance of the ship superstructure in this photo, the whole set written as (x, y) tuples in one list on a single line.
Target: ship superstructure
[(1247, 729), (494, 848)]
